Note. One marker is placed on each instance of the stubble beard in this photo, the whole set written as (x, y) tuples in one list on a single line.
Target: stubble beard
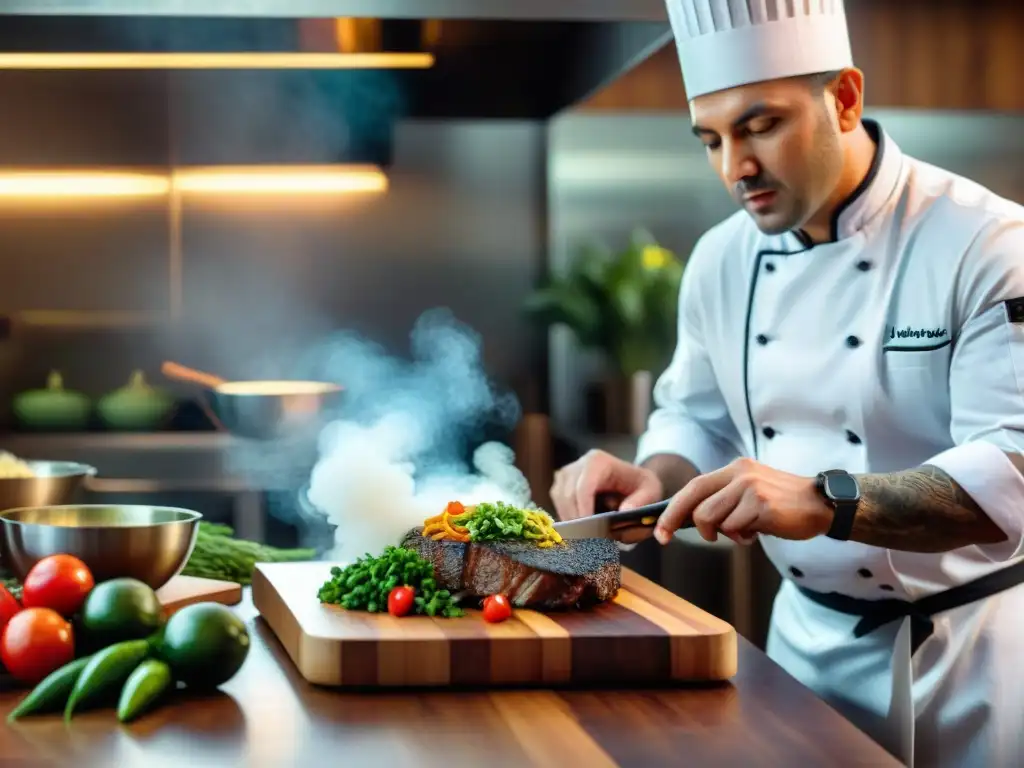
[(793, 210), (776, 222)]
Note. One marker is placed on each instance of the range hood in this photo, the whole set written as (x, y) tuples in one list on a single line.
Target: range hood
[(486, 58), (289, 82)]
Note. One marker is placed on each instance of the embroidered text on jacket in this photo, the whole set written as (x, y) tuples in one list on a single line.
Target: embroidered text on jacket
[(917, 333)]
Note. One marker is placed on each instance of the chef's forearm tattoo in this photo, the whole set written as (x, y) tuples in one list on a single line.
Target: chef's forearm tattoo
[(922, 510)]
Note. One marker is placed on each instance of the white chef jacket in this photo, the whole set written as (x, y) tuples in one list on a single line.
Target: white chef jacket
[(901, 342)]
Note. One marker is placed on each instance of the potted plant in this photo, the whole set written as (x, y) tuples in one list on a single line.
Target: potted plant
[(624, 305)]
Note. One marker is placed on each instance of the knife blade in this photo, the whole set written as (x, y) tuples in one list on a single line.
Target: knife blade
[(611, 525)]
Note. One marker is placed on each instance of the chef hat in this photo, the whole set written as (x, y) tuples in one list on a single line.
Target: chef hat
[(726, 43)]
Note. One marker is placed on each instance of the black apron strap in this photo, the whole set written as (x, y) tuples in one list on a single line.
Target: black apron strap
[(877, 613)]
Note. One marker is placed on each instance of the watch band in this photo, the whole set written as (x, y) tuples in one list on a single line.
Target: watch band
[(842, 520), (843, 510)]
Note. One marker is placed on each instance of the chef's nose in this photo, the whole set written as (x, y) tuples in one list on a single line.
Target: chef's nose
[(737, 163)]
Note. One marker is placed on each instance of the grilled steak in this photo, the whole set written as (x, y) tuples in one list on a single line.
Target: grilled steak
[(577, 573)]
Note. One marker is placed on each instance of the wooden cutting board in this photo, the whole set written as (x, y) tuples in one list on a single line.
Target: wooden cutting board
[(646, 635), (186, 590)]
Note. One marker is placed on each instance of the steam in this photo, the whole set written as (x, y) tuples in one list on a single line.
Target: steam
[(398, 455), (268, 116), (412, 434)]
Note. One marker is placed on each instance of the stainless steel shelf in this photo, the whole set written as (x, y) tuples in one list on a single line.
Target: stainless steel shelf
[(123, 440), (180, 462), (174, 461)]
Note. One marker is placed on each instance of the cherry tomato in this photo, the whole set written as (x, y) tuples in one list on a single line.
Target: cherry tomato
[(401, 600), (9, 606), (60, 582), (497, 608), (35, 642)]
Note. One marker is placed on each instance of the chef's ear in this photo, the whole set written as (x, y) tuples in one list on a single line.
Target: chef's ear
[(848, 92)]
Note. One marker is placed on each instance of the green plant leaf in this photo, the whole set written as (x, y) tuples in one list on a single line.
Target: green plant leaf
[(562, 304), (624, 302), (628, 298)]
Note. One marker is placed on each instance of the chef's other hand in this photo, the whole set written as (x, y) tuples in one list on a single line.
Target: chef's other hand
[(577, 485), (746, 498)]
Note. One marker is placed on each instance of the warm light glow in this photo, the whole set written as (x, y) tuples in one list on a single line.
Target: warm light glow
[(25, 184), (282, 179), (245, 180), (277, 388), (355, 35), (431, 32), (216, 60), (87, 318)]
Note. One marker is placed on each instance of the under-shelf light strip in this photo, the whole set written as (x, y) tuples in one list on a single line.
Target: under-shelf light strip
[(213, 180), (269, 60), (280, 179)]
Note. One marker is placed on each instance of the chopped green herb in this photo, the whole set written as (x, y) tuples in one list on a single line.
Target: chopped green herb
[(365, 584), (494, 522)]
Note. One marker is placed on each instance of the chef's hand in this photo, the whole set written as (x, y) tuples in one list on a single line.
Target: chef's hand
[(744, 499), (577, 485)]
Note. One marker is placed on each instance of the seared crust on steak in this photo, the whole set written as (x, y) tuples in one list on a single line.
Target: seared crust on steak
[(576, 573)]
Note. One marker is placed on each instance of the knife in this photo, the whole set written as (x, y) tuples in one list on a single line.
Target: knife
[(612, 525)]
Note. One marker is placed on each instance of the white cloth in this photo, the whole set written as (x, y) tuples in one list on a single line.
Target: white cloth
[(897, 344), (726, 43)]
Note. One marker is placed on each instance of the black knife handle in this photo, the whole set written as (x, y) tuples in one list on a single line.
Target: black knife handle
[(609, 502)]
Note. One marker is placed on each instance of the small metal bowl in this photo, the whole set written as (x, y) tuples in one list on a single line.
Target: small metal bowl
[(294, 408), (55, 482), (151, 544)]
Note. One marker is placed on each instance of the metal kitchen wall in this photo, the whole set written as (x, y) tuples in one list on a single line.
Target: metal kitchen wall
[(462, 225), (609, 172)]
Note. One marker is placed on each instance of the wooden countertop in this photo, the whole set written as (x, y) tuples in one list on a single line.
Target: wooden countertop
[(268, 716)]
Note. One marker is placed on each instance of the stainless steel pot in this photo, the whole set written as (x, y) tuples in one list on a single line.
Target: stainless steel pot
[(262, 410)]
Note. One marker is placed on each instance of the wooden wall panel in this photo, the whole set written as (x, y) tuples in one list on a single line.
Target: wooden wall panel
[(922, 54), (655, 84)]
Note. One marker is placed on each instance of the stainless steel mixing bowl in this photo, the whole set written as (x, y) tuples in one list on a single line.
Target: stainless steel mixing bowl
[(55, 482), (151, 544)]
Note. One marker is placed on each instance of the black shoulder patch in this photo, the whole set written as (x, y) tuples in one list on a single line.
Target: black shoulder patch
[(1015, 310)]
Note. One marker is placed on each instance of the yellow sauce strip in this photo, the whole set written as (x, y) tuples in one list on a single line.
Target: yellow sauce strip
[(540, 528)]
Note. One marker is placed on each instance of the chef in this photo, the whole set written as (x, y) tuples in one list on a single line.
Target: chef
[(847, 387)]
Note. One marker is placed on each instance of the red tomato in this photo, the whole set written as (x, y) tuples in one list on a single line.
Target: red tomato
[(497, 608), (35, 642), (9, 606), (60, 582), (400, 600)]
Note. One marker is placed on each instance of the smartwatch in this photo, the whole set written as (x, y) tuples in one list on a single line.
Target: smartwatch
[(842, 492)]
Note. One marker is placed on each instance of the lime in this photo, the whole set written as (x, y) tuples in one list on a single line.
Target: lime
[(119, 610), (205, 644)]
